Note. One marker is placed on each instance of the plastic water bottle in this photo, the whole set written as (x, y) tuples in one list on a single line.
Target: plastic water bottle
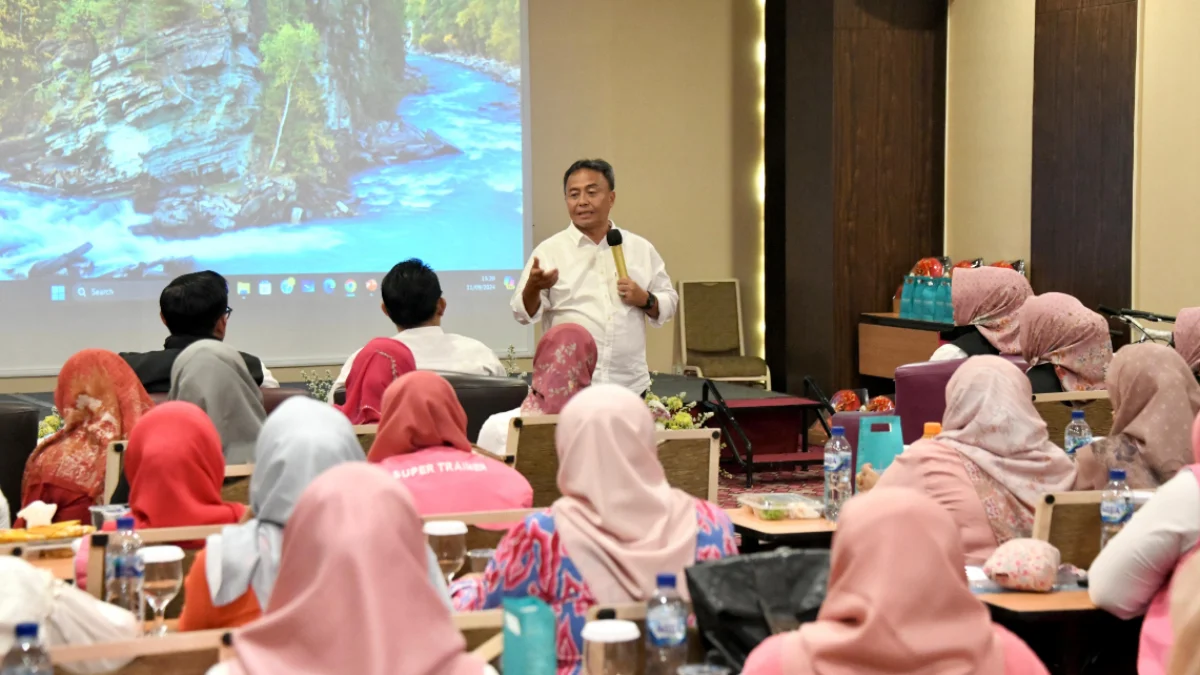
[(838, 480), (666, 628), (124, 570), (1078, 433), (1116, 506), (27, 657)]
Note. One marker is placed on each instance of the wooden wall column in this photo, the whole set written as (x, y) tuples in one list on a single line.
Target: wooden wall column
[(855, 130)]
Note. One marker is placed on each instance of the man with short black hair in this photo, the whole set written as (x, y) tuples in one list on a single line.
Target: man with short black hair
[(572, 278), (412, 299), (193, 307)]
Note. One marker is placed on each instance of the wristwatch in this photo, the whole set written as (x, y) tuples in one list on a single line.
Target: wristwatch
[(651, 301)]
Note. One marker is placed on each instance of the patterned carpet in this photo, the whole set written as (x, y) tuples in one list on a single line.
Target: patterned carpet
[(804, 482)]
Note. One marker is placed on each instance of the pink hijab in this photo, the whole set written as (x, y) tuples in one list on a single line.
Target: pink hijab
[(1187, 336), (1056, 328), (619, 520), (379, 364), (562, 365), (989, 299), (420, 410), (990, 420), (353, 592), (1155, 398), (890, 613)]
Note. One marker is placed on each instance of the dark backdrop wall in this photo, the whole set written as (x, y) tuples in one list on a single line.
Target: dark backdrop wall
[(1085, 59), (855, 128)]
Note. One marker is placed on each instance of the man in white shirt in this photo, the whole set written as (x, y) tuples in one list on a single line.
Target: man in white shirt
[(572, 278), (412, 299)]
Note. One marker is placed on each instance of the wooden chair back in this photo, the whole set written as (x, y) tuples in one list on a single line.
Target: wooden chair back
[(1056, 409), (195, 652), (178, 653), (366, 436), (1071, 522), (479, 535), (114, 467), (690, 458)]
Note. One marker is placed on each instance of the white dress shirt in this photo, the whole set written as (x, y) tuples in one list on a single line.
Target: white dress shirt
[(493, 435), (435, 349), (1136, 563), (586, 294)]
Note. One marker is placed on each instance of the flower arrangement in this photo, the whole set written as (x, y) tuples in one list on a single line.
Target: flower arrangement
[(52, 423), (510, 363), (318, 386), (670, 412)]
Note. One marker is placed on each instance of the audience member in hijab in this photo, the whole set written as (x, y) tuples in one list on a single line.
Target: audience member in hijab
[(193, 307), (101, 401), (378, 365), (175, 470), (1067, 345), (422, 442), (1185, 617), (352, 595), (1154, 399), (562, 365), (65, 614), (213, 376), (230, 582), (986, 301), (617, 525), (888, 613), (992, 461), (1187, 337), (1133, 574)]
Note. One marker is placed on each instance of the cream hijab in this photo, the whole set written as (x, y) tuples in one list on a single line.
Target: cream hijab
[(300, 441), (618, 519), (213, 375)]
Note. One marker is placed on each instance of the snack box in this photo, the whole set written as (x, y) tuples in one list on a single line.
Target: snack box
[(784, 506)]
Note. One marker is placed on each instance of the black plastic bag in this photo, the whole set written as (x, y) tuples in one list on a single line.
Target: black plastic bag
[(742, 600)]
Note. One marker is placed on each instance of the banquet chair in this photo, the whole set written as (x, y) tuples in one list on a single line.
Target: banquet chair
[(689, 457), (1055, 410), (366, 436), (18, 437), (114, 468), (711, 337), (1070, 521)]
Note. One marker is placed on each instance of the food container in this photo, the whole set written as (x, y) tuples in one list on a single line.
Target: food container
[(785, 506)]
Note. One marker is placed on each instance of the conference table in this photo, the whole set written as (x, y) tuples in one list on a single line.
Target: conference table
[(802, 533)]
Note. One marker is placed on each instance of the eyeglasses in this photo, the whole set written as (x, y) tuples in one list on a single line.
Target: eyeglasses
[(228, 312)]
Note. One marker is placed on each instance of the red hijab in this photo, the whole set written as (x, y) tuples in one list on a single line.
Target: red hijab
[(175, 469), (420, 410), (379, 364), (100, 399)]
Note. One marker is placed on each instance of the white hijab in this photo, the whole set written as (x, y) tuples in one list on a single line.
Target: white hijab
[(301, 440), (65, 615), (214, 376)]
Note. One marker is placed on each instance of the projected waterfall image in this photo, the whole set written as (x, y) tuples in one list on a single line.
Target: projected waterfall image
[(142, 139)]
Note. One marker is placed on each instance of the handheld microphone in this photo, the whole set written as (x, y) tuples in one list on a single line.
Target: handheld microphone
[(614, 242)]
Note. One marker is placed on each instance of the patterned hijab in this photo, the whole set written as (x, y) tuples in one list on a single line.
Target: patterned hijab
[(990, 420), (1187, 336), (379, 364), (1056, 328), (989, 299), (1155, 398), (213, 375), (420, 410), (562, 365), (101, 400)]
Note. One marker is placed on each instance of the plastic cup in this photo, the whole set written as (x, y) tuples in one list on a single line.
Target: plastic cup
[(105, 512)]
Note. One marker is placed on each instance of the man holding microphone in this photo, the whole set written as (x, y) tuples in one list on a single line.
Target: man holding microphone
[(607, 280)]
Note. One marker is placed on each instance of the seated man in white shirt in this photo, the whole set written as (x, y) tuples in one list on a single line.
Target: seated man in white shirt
[(412, 299), (572, 278)]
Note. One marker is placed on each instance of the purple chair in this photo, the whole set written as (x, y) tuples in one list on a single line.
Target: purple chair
[(921, 393)]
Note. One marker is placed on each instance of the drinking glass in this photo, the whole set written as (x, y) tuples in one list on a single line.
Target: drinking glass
[(163, 577), (448, 539), (610, 647), (480, 557)]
